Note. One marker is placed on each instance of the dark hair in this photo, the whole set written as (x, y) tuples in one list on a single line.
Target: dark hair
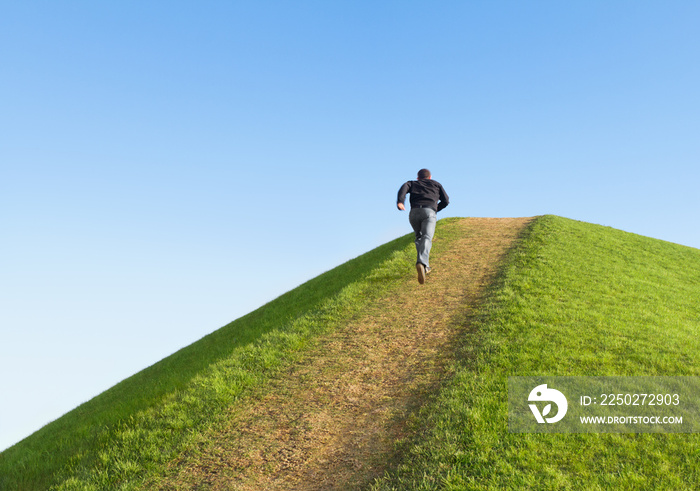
[(423, 174)]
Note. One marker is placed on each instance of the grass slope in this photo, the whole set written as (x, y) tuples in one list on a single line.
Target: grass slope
[(575, 299), (119, 437)]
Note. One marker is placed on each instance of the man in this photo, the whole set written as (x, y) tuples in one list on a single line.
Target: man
[(427, 198)]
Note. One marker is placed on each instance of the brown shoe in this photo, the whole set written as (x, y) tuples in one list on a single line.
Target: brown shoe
[(421, 273)]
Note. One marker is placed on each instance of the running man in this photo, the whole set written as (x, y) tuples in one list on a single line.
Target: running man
[(427, 198)]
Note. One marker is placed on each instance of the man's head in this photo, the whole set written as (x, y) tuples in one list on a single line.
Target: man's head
[(424, 174)]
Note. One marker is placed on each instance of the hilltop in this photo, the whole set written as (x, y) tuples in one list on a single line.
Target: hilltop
[(363, 378)]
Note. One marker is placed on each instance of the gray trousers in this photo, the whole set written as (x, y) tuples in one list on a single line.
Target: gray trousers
[(423, 222)]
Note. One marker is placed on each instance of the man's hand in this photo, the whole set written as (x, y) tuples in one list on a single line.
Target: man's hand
[(400, 206)]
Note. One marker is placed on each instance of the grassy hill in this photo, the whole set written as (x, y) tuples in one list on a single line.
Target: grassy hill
[(145, 421), (571, 298), (574, 299)]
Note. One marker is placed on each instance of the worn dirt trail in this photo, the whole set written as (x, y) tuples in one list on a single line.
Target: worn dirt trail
[(331, 421)]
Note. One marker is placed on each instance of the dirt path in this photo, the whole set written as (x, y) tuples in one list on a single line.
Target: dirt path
[(332, 420)]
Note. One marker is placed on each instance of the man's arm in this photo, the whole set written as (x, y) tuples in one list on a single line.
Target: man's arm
[(444, 199), (401, 197)]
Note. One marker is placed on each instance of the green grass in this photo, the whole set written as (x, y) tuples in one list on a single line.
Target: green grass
[(117, 439), (574, 299)]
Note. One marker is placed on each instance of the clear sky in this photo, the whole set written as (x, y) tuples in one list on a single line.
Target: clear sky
[(168, 166)]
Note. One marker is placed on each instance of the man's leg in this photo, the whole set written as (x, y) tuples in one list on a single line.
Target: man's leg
[(425, 243), (423, 221)]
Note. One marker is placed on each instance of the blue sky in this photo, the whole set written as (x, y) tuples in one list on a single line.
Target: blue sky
[(167, 167)]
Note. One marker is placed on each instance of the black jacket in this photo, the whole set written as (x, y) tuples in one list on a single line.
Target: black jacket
[(424, 192)]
